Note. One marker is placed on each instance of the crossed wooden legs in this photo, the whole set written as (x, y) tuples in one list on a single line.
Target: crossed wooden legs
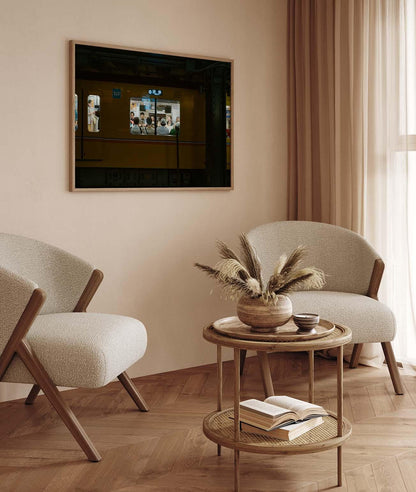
[(17, 344), (392, 365), (31, 397), (125, 381), (132, 391), (52, 393), (390, 361), (356, 352)]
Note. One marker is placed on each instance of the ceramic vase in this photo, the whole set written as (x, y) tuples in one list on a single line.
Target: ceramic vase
[(263, 317)]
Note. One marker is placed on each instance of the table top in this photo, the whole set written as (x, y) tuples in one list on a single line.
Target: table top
[(340, 336)]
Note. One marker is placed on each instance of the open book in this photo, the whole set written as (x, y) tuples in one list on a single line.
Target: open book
[(286, 432), (277, 410)]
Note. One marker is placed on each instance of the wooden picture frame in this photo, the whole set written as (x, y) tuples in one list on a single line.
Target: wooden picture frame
[(169, 176)]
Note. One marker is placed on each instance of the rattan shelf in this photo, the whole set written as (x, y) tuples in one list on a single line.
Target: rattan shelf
[(219, 428)]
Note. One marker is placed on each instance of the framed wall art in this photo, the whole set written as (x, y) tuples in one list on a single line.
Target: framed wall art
[(143, 120)]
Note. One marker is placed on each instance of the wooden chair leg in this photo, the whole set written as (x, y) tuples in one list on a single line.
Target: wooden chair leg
[(356, 352), (32, 395), (392, 365), (133, 392), (51, 391), (243, 354)]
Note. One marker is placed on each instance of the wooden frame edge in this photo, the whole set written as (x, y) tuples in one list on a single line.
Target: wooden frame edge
[(72, 116), (72, 44), (149, 50)]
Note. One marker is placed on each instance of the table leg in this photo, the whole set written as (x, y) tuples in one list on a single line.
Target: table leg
[(265, 373), (219, 388), (236, 470), (339, 465), (340, 408), (311, 376), (236, 418)]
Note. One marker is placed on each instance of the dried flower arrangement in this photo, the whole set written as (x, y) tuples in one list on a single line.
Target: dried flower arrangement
[(242, 277)]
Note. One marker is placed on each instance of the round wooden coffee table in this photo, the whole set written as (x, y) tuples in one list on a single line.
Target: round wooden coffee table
[(225, 431)]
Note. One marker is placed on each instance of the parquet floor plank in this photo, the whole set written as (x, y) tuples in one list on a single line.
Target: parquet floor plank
[(380, 398), (165, 454), (361, 479), (362, 408), (388, 476), (407, 465), (165, 449)]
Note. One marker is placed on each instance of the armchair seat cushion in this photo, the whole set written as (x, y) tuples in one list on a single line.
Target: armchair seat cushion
[(82, 349), (369, 320)]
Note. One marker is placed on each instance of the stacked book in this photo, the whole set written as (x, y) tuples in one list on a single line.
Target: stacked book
[(281, 417)]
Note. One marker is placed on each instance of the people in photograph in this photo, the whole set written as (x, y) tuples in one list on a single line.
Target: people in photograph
[(92, 118), (131, 118), (96, 121), (135, 129), (176, 128), (150, 129), (162, 129), (142, 119), (76, 112), (169, 122)]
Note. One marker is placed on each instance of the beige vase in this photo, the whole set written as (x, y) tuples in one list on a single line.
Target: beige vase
[(264, 317)]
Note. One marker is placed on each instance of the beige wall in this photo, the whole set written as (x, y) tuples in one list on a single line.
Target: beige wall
[(145, 242)]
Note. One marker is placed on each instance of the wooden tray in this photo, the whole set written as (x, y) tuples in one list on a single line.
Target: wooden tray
[(233, 327)]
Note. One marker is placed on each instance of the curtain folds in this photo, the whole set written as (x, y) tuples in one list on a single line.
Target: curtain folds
[(348, 151)]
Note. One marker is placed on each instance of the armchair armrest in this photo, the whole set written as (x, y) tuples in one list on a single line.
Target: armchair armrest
[(89, 291), (20, 303), (375, 280)]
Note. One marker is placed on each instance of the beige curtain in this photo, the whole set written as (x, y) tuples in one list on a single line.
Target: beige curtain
[(348, 159)]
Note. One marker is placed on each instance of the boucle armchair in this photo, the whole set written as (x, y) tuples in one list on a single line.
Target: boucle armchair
[(46, 337), (353, 274)]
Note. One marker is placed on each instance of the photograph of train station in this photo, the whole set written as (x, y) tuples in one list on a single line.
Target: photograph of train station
[(150, 120)]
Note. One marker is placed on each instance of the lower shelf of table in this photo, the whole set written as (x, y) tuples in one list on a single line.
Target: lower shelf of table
[(219, 428)]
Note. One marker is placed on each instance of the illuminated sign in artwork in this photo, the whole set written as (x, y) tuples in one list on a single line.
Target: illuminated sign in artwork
[(149, 120)]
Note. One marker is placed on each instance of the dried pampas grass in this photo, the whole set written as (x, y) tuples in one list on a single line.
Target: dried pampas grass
[(243, 277)]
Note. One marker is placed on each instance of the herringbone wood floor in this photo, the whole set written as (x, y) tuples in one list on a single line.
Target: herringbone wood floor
[(165, 449)]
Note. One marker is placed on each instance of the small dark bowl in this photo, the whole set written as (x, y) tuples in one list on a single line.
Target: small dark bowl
[(306, 322)]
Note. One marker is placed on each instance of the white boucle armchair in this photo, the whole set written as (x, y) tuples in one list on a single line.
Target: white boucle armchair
[(353, 274), (46, 337)]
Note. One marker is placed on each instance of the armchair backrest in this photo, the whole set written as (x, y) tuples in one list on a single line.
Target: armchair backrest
[(346, 257), (61, 275)]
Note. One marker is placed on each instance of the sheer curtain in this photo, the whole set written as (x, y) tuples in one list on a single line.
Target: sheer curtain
[(351, 111)]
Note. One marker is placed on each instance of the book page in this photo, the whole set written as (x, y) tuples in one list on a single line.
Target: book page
[(298, 406), (263, 408)]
